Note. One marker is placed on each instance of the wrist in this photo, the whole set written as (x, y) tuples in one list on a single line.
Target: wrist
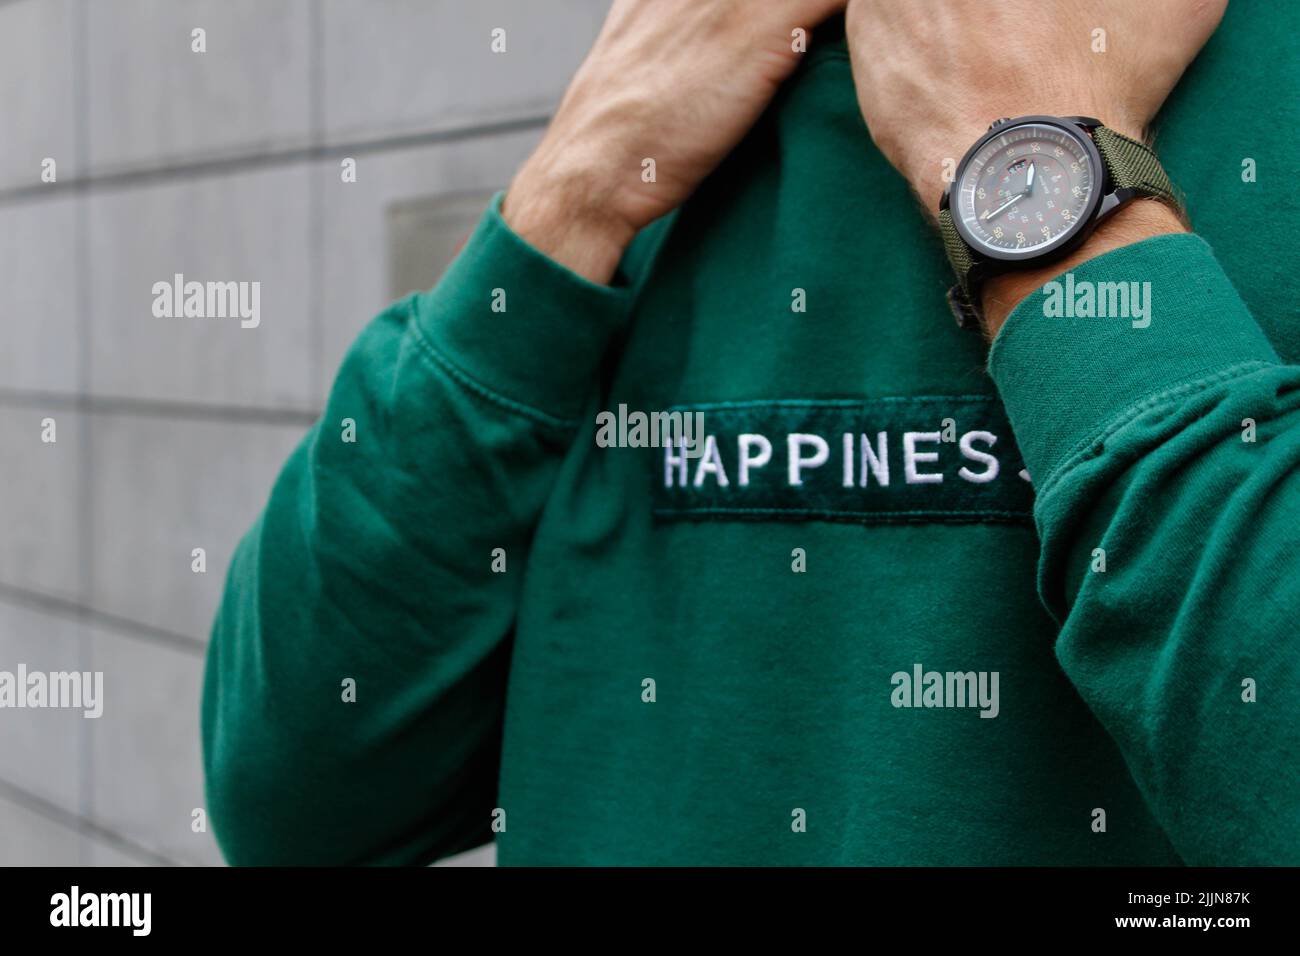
[(930, 162), (560, 213)]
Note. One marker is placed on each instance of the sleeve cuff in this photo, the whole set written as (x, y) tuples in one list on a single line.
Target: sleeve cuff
[(1064, 371), (519, 324)]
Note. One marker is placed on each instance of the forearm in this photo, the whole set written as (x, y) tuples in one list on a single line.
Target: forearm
[(1172, 559), (1165, 457)]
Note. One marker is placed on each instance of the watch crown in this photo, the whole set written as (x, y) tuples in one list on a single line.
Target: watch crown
[(996, 123)]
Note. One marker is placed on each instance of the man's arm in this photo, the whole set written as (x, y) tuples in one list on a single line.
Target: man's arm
[(355, 682), (356, 674), (1166, 462), (1165, 455)]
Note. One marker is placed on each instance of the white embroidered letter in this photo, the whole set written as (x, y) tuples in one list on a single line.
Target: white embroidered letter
[(710, 464), (876, 460), (677, 461), (911, 457), (797, 463), (747, 460), (991, 464)]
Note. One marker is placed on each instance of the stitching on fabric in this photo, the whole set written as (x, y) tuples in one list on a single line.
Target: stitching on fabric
[(905, 515), (830, 402), (1083, 450), (445, 365)]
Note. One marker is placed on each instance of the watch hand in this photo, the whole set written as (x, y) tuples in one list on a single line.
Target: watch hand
[(1029, 179), (1005, 206)]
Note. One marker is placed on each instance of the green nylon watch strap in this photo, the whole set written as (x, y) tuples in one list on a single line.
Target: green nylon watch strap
[(1132, 166), (959, 253), (962, 259)]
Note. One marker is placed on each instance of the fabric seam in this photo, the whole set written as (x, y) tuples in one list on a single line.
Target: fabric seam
[(841, 515), (828, 402), (466, 381), (1083, 450)]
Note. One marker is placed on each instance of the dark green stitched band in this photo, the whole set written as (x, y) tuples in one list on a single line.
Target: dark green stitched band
[(1132, 166), (916, 458)]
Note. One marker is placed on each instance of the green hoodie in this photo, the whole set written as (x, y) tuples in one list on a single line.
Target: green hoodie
[(851, 631)]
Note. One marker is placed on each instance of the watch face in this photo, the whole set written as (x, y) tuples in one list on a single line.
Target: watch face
[(1026, 188)]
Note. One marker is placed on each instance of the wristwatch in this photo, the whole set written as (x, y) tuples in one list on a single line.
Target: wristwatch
[(1031, 190)]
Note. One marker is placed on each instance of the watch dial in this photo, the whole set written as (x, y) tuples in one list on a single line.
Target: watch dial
[(1025, 189)]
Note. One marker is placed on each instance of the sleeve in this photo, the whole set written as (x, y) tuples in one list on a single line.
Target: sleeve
[(1164, 447), (352, 706)]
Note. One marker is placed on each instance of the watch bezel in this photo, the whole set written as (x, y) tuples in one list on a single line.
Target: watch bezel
[(1083, 225)]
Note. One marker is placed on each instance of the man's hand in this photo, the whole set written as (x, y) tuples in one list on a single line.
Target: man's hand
[(678, 82), (931, 76)]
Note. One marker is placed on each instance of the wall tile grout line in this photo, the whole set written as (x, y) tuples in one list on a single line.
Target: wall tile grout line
[(88, 616), (186, 170), (315, 214), (85, 491), (157, 408), (25, 799)]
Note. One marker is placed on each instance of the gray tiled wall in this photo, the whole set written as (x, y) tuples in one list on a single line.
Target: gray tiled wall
[(40, 548), (400, 66), (38, 270), (38, 83), (221, 165), (251, 225), (151, 100)]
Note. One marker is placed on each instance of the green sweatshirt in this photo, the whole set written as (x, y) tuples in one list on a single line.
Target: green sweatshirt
[(850, 631)]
